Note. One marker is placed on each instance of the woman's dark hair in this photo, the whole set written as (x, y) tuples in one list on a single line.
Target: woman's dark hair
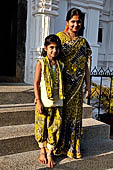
[(52, 38), (72, 12)]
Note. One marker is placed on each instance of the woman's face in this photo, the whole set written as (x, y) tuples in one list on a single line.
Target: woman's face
[(74, 23)]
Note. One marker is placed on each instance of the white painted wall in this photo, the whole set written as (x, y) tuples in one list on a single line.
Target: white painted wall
[(48, 16), (105, 56), (60, 19)]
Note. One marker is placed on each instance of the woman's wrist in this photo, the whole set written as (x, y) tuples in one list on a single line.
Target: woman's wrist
[(88, 84)]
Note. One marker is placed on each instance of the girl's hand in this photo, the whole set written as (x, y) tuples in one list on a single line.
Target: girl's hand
[(39, 107)]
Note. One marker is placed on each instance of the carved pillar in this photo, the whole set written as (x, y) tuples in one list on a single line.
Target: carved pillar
[(41, 18)]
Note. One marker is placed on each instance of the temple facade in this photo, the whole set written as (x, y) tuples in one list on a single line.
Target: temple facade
[(42, 17), (48, 16)]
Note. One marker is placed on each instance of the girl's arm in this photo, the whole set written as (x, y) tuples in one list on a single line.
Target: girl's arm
[(37, 87)]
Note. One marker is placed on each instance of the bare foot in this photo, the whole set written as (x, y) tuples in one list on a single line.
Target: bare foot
[(42, 158), (51, 162)]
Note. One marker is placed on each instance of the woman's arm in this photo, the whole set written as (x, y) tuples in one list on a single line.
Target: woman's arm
[(87, 81), (37, 87)]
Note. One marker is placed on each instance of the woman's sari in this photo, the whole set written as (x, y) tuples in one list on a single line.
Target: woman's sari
[(75, 59)]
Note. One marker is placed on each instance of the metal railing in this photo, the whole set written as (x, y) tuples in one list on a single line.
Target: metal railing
[(101, 97)]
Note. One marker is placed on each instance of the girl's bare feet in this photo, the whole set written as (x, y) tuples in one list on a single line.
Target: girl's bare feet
[(42, 158), (51, 162)]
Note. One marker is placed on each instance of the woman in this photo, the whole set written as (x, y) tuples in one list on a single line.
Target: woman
[(76, 56)]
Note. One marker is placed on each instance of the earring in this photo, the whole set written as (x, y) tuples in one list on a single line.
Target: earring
[(66, 27)]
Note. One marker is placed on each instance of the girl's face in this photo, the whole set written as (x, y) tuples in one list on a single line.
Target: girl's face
[(52, 50), (74, 23)]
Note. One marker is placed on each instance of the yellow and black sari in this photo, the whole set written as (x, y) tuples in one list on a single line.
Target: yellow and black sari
[(75, 59)]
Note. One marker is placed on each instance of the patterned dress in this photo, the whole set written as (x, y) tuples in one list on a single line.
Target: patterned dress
[(76, 54), (48, 124)]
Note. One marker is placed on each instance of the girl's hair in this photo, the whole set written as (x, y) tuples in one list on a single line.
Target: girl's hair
[(52, 38), (72, 12)]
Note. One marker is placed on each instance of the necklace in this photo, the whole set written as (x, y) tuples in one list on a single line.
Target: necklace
[(71, 37), (54, 68)]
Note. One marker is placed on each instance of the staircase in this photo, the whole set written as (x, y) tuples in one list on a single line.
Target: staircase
[(18, 148)]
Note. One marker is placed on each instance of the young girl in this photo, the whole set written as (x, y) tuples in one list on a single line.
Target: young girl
[(49, 100)]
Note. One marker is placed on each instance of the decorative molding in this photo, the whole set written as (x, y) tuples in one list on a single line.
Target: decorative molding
[(45, 7), (104, 2), (95, 45), (106, 12), (94, 4), (111, 12), (107, 16)]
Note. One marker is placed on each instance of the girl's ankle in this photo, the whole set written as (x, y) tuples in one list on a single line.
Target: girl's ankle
[(43, 150)]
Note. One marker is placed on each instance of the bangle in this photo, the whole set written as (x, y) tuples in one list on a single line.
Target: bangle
[(37, 99)]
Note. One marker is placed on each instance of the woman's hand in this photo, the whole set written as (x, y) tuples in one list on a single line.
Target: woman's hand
[(87, 91), (39, 106)]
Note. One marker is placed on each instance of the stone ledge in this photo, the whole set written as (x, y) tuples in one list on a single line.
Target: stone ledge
[(10, 107), (94, 131), (87, 111), (15, 87), (9, 132)]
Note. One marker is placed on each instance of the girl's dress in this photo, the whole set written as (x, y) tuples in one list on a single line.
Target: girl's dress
[(48, 124), (76, 54)]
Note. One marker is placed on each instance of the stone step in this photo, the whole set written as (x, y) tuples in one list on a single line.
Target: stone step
[(97, 157), (16, 93), (17, 114), (94, 130), (20, 138), (17, 139)]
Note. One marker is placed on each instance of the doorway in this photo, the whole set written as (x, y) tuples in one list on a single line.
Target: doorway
[(8, 31)]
